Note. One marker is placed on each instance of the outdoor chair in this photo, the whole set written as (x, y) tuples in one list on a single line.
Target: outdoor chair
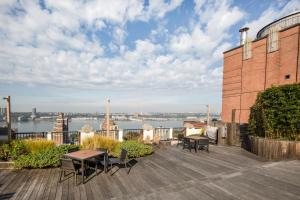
[(180, 139), (73, 150), (102, 159), (203, 144), (122, 160), (68, 165), (189, 144)]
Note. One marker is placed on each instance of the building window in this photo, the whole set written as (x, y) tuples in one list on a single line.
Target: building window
[(287, 77), (247, 50), (273, 40)]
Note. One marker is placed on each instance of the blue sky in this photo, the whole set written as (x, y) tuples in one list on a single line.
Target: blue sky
[(146, 56)]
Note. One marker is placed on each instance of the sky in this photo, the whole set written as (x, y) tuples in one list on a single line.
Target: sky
[(144, 55)]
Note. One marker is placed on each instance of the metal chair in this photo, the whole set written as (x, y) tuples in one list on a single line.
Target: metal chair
[(203, 144), (189, 144), (180, 139), (68, 165), (102, 159), (122, 160)]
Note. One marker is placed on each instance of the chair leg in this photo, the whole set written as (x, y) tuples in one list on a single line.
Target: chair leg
[(61, 172), (111, 166)]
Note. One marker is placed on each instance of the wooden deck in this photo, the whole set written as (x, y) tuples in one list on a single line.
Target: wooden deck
[(172, 173)]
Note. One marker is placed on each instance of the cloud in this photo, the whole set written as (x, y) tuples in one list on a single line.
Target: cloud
[(274, 12), (57, 44)]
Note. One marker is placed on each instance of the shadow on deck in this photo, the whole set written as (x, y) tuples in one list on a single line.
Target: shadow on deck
[(171, 173)]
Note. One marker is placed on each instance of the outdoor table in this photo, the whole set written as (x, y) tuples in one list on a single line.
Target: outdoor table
[(83, 155), (197, 140)]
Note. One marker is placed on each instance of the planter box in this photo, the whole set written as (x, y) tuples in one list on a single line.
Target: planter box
[(272, 149), (6, 165)]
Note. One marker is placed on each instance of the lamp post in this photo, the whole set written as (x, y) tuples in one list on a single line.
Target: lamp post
[(208, 113), (107, 116), (8, 116)]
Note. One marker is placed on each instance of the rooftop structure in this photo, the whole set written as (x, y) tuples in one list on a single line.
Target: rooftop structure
[(33, 113), (112, 125), (269, 60), (60, 134), (280, 24), (194, 124)]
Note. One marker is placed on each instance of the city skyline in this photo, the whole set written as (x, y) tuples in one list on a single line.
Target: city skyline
[(146, 56)]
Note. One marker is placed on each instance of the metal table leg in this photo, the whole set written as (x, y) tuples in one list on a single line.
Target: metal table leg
[(83, 170)]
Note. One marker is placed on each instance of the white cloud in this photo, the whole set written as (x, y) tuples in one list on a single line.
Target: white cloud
[(271, 14), (52, 48)]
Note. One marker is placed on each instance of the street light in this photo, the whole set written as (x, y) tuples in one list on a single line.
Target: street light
[(8, 116), (107, 116)]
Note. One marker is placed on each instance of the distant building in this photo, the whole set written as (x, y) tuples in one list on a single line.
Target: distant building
[(193, 127), (60, 132), (112, 125), (33, 113), (273, 58), (194, 124)]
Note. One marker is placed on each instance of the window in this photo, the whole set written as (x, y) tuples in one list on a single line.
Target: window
[(287, 77)]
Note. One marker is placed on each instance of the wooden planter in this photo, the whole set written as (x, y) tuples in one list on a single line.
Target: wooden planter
[(6, 165), (272, 149)]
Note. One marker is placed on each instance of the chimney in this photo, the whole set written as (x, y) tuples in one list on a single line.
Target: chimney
[(244, 35)]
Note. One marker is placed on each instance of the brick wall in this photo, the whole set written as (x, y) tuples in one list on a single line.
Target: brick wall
[(243, 79)]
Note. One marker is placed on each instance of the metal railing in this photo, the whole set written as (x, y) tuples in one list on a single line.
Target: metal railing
[(65, 137), (177, 131), (29, 135), (162, 133), (114, 134), (133, 134)]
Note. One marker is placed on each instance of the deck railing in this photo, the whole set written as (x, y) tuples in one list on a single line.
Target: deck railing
[(75, 137), (133, 134), (114, 134), (177, 131), (65, 137), (162, 133), (29, 135)]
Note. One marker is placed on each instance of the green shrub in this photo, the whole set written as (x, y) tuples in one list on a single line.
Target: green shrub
[(134, 149), (44, 158), (12, 150), (17, 148), (98, 141), (5, 151), (36, 145), (131, 135), (276, 113)]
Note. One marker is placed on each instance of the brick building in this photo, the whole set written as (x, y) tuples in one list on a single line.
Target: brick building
[(60, 134), (271, 59)]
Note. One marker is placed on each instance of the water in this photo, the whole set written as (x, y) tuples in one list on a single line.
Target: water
[(77, 124)]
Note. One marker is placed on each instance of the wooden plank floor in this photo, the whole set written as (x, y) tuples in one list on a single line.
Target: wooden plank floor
[(172, 173)]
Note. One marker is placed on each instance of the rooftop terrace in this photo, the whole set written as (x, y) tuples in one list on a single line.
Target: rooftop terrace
[(171, 173)]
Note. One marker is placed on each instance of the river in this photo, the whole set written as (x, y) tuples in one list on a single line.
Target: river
[(77, 124)]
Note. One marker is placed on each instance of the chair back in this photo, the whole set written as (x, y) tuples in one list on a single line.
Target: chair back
[(73, 149), (103, 156), (186, 140), (123, 155), (180, 137), (203, 142), (66, 163), (102, 149)]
